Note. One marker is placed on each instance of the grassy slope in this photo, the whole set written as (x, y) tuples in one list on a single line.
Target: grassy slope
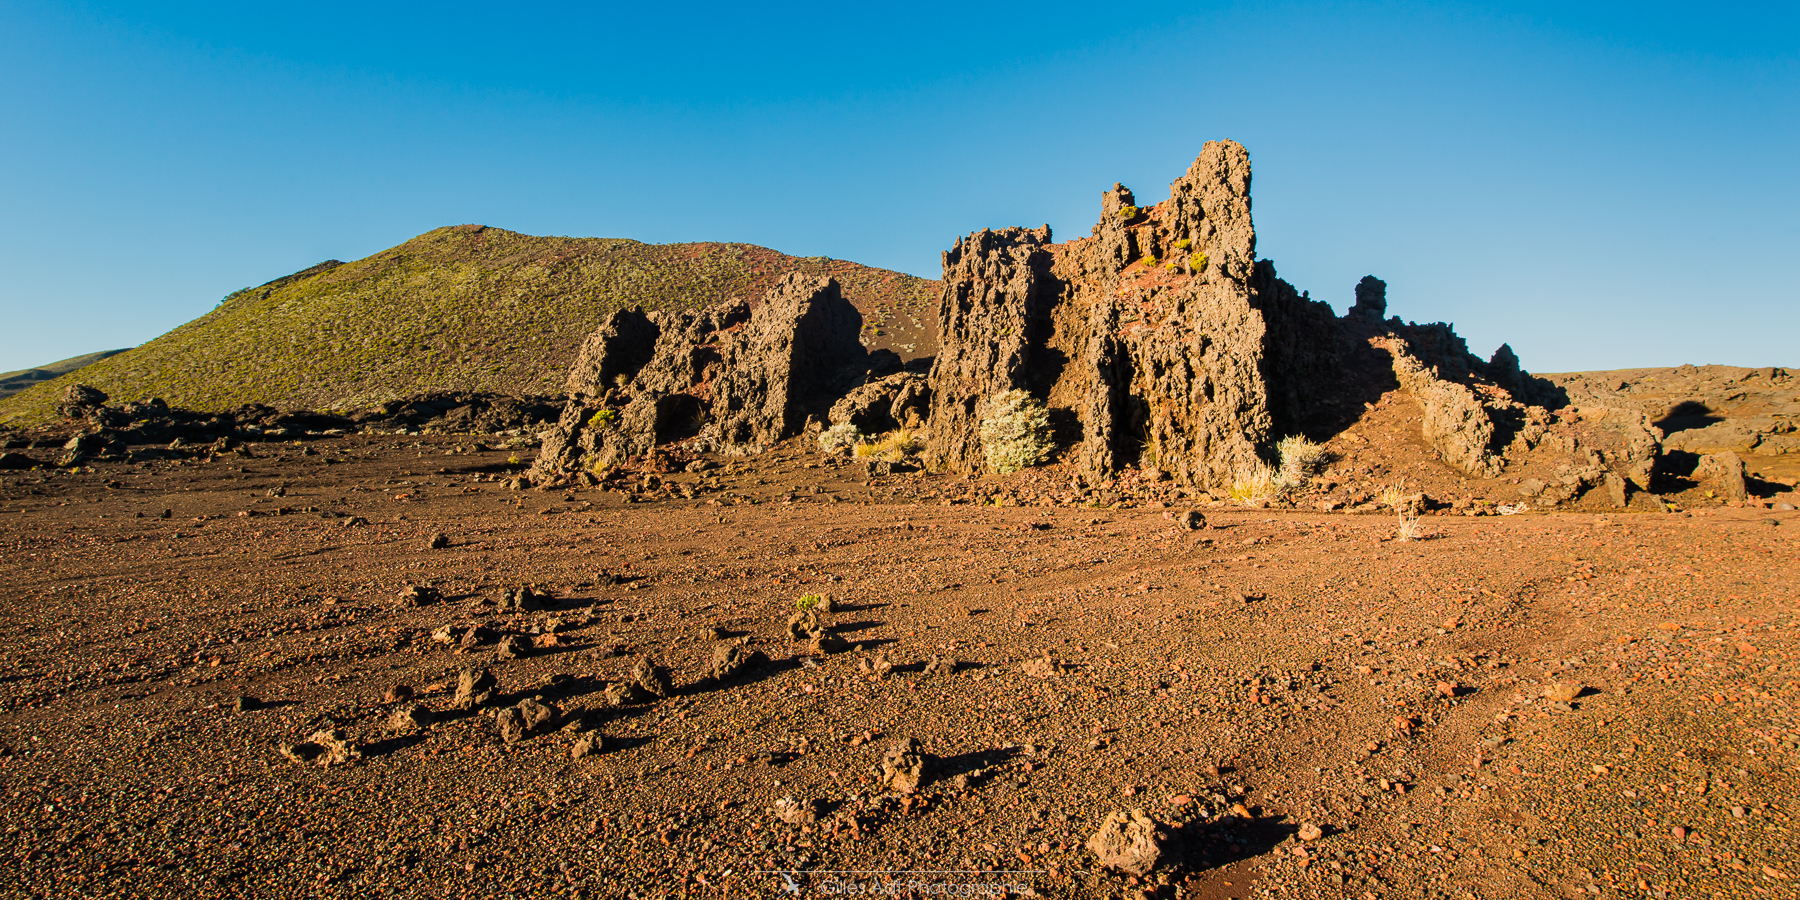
[(14, 382), (462, 308)]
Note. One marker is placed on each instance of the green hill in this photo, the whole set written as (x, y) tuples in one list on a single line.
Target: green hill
[(14, 382), (465, 308)]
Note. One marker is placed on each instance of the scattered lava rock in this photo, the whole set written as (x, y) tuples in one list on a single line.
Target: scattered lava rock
[(589, 743), (797, 812), (474, 688), (651, 677), (419, 595), (903, 768), (514, 646), (327, 747), (525, 599), (1132, 842), (410, 716), (731, 658)]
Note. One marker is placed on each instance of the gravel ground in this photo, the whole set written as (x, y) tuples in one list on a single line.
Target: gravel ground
[(1239, 682)]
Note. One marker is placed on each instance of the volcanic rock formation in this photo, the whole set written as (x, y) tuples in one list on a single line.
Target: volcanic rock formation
[(724, 379), (1159, 342)]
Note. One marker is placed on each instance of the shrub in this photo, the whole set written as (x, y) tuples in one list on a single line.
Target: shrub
[(1015, 432), (1183, 244), (1128, 212), (1149, 260), (840, 437), (808, 601), (1197, 262), (1300, 459), (602, 418)]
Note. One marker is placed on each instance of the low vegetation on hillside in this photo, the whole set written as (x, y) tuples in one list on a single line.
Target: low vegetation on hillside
[(464, 308)]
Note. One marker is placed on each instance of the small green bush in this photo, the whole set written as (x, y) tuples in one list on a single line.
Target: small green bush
[(1128, 212), (1197, 262), (602, 418), (808, 601), (1149, 260), (1183, 244), (1015, 432)]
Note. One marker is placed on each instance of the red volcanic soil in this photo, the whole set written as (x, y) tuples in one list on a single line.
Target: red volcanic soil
[(1534, 705)]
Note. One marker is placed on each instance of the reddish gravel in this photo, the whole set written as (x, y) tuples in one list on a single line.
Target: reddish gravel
[(1273, 670)]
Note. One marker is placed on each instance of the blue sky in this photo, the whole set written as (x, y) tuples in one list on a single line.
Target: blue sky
[(1601, 185)]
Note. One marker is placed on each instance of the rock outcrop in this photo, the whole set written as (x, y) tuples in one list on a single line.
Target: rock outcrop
[(1159, 342), (724, 379), (1155, 341)]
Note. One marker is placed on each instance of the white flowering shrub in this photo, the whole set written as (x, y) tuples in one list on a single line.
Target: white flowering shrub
[(1015, 432)]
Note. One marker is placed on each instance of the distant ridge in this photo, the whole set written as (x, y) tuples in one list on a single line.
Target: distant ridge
[(467, 308), (14, 382)]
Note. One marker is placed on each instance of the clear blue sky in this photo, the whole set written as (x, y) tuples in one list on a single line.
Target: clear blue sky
[(1602, 185)]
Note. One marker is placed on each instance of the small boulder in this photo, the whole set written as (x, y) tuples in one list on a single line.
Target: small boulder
[(587, 744), (510, 722), (438, 541), (419, 595), (1132, 842), (525, 599), (1310, 832), (825, 643), (246, 704), (625, 693), (477, 635), (877, 666), (731, 658), (1562, 692), (335, 747), (538, 715), (1191, 520), (398, 693), (474, 688), (941, 665), (804, 624), (514, 646), (1041, 667), (409, 717), (902, 769), (1723, 474), (651, 677), (798, 812)]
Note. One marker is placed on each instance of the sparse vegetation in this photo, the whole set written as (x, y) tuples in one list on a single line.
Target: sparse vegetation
[(602, 418), (840, 437), (1301, 459), (1197, 263), (1015, 432), (808, 601), (1183, 244), (1257, 485), (455, 309), (1128, 212), (895, 446)]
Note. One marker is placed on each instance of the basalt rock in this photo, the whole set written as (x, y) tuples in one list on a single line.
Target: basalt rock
[(1132, 843), (1723, 474), (1153, 340), (1161, 342), (900, 400), (724, 379)]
